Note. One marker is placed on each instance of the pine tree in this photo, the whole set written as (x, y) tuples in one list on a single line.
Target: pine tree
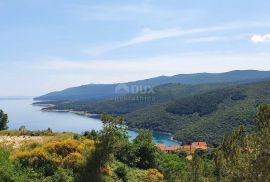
[(261, 145), (111, 138), (245, 156), (197, 168)]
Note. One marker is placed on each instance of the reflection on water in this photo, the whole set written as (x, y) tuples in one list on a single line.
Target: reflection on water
[(21, 112)]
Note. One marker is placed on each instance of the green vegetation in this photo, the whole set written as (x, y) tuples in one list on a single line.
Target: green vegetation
[(204, 104), (98, 92), (207, 116), (190, 112), (73, 157), (245, 156), (3, 120), (133, 102), (242, 156)]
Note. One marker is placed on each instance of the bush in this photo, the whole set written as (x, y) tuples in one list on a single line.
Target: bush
[(121, 172), (153, 175), (93, 135), (6, 167), (61, 175), (87, 145), (107, 170), (36, 159), (73, 160), (62, 148), (46, 158)]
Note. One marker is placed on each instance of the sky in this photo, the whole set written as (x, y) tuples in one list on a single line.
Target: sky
[(49, 45)]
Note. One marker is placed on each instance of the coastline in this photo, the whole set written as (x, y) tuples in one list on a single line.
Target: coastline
[(47, 108), (81, 113), (157, 132)]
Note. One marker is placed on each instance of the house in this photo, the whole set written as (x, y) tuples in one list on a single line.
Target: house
[(199, 145), (190, 148), (168, 148)]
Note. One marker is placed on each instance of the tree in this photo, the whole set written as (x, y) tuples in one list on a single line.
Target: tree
[(110, 140), (140, 153), (262, 120), (93, 134), (232, 160), (245, 156), (260, 145), (146, 150), (173, 167), (128, 155), (197, 168), (3, 120)]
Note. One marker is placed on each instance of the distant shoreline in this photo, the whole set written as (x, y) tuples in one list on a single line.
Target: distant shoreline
[(81, 113), (47, 108), (97, 116)]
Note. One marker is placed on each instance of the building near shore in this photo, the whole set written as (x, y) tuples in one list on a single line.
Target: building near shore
[(188, 148)]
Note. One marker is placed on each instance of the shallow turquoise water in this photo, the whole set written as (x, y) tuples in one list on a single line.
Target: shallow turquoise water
[(21, 112)]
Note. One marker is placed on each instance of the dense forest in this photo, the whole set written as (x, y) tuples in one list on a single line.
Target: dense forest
[(132, 102), (108, 155), (207, 116), (190, 112), (99, 92)]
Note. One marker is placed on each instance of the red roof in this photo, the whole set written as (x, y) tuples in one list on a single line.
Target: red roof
[(200, 145), (186, 147), (168, 148), (194, 145)]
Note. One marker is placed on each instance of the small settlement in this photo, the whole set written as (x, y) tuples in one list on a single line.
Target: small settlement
[(187, 148)]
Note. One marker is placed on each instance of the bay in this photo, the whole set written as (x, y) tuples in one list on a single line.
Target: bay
[(21, 112)]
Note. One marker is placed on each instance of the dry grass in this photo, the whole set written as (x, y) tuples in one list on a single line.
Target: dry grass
[(16, 142)]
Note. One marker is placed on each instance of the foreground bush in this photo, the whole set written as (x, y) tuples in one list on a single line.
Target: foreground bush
[(47, 158), (154, 175)]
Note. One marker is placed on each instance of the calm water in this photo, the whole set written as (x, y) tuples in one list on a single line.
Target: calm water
[(21, 112)]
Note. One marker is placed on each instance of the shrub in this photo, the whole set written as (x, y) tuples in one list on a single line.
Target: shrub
[(6, 167), (36, 159), (47, 157), (73, 160), (121, 172), (62, 148), (93, 135), (107, 170), (61, 175), (154, 175), (87, 145)]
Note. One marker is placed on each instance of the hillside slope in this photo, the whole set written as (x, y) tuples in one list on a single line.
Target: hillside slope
[(207, 116), (133, 102), (94, 92)]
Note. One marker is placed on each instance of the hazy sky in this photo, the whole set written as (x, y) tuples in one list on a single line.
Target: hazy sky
[(49, 45)]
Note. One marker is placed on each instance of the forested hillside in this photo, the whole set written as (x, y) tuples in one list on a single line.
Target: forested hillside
[(133, 102), (190, 112), (97, 92), (206, 116)]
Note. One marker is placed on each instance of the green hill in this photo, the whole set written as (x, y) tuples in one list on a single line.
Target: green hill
[(98, 92), (133, 102), (207, 116)]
